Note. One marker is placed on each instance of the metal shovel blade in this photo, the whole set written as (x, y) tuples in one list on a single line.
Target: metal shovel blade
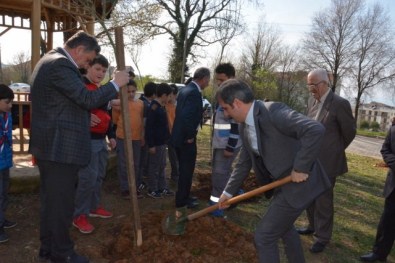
[(175, 225)]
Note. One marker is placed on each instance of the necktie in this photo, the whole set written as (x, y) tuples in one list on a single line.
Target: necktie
[(314, 110)]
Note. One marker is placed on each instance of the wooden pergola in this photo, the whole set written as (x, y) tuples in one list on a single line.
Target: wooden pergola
[(45, 17)]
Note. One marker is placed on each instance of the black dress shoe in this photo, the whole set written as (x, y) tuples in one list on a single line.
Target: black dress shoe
[(371, 257), (317, 247), (305, 231), (44, 256), (192, 199)]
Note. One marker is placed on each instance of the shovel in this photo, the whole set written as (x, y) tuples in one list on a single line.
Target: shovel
[(173, 225)]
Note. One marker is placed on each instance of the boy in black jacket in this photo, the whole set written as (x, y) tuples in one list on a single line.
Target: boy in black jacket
[(156, 137)]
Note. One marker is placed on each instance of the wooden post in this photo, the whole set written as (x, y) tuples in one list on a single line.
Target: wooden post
[(120, 58)]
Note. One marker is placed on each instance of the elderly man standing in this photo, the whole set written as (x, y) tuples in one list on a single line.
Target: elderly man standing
[(335, 113), (189, 112), (276, 142), (60, 137)]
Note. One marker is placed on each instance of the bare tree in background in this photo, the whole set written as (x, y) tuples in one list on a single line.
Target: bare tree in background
[(226, 31), (190, 24), (260, 59), (291, 79), (21, 66), (330, 43), (374, 52)]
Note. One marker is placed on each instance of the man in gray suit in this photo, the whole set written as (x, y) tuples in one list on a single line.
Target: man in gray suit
[(60, 137), (335, 114), (277, 142), (385, 235)]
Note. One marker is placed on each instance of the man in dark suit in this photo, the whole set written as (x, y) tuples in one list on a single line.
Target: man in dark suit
[(385, 235), (335, 114), (276, 142), (189, 112), (60, 137)]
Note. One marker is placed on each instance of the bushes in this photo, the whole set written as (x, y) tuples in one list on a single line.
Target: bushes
[(364, 125)]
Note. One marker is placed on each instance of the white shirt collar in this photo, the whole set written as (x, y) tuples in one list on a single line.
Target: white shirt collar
[(69, 57), (250, 116), (197, 85), (323, 98)]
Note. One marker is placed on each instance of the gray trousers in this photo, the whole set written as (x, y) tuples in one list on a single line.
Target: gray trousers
[(90, 179), (221, 171), (277, 224), (121, 163), (320, 215), (156, 169)]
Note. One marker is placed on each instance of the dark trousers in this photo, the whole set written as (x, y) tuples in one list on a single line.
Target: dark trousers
[(186, 160), (386, 229), (57, 192)]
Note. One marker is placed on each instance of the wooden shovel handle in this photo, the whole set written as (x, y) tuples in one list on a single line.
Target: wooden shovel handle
[(241, 197)]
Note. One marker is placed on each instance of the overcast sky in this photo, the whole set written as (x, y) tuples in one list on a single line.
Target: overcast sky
[(292, 17)]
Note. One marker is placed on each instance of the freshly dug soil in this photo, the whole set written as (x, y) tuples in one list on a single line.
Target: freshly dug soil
[(206, 239)]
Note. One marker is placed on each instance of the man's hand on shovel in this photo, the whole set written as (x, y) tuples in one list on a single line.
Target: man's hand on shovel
[(221, 201)]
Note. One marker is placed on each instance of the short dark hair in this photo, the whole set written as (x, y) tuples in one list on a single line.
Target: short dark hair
[(82, 38), (6, 92), (131, 82), (101, 60), (174, 89), (201, 73), (226, 68), (163, 88), (149, 89), (232, 89)]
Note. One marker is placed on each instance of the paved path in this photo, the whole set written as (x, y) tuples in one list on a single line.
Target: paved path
[(366, 146)]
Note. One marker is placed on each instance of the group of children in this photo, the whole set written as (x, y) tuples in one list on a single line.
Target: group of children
[(151, 120), (150, 124)]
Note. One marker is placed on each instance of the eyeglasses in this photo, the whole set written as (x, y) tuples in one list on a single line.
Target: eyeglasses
[(314, 85)]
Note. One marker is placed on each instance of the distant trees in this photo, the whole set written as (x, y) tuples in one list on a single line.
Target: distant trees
[(355, 43), (374, 63), (190, 24), (272, 68), (331, 41)]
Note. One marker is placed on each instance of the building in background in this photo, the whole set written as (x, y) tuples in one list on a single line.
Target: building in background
[(376, 112)]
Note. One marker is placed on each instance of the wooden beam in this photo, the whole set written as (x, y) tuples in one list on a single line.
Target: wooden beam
[(120, 57)]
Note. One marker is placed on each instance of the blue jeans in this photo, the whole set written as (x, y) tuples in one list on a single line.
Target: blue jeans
[(90, 179), (4, 184)]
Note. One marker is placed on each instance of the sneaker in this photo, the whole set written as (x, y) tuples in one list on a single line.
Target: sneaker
[(81, 222), (125, 194), (154, 194), (216, 213), (167, 192), (142, 186), (3, 235), (100, 212), (9, 224)]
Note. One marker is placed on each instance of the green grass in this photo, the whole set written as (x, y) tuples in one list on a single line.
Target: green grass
[(371, 133), (358, 206)]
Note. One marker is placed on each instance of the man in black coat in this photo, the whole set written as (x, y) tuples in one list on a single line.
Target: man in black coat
[(189, 112), (386, 229), (60, 137)]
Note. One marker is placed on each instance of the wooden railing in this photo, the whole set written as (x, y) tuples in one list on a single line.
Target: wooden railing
[(21, 111)]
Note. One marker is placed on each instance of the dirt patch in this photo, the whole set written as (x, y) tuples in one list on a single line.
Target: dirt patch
[(206, 239)]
